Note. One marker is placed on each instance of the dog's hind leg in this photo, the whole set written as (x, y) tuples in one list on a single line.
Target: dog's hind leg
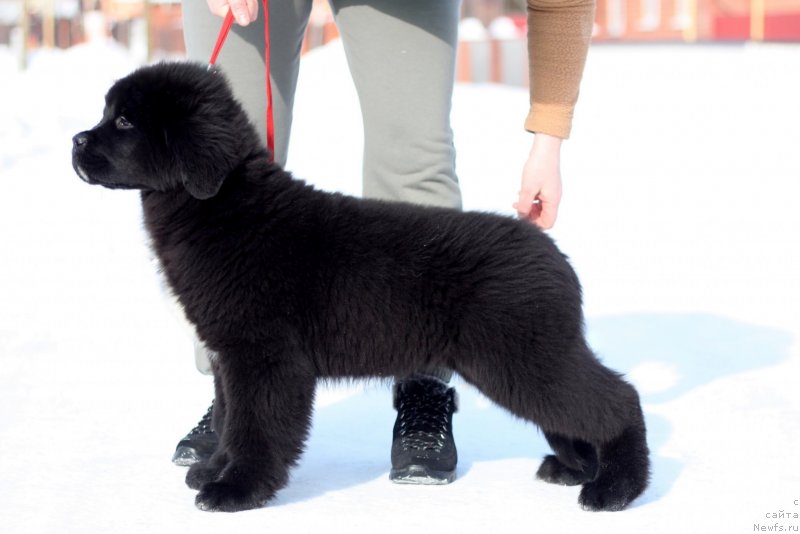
[(593, 420), (608, 416), (624, 472), (591, 417), (269, 399), (574, 461)]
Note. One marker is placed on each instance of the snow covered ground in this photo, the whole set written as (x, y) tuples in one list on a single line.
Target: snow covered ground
[(680, 214)]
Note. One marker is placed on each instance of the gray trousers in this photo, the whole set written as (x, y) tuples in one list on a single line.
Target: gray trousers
[(401, 55)]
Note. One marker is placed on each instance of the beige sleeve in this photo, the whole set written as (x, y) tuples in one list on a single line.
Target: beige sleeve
[(559, 32)]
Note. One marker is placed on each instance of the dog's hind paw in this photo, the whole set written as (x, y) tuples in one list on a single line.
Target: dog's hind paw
[(554, 472), (607, 496)]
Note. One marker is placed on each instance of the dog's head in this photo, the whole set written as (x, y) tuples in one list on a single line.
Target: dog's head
[(164, 127)]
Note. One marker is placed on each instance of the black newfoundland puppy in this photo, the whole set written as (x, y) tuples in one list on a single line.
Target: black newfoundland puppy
[(288, 284)]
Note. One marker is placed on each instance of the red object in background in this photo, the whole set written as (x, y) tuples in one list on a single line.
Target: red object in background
[(520, 20), (731, 28), (784, 27)]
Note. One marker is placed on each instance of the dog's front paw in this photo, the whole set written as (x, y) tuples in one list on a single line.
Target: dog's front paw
[(201, 474), (554, 472), (226, 497), (240, 486)]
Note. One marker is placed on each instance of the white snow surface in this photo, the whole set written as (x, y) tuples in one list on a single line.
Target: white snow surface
[(681, 186)]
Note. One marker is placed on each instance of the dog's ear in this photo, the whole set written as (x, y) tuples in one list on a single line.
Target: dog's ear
[(207, 131), (203, 175), (201, 186), (207, 155)]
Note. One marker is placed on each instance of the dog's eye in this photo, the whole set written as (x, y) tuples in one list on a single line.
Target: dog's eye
[(122, 123)]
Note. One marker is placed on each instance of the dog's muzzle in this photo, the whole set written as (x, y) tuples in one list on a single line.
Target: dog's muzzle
[(79, 143)]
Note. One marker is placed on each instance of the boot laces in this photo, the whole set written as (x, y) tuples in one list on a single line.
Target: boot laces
[(424, 421), (204, 426)]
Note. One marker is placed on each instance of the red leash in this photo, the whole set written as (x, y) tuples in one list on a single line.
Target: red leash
[(223, 34)]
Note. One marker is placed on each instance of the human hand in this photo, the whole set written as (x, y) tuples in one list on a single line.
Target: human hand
[(540, 194), (244, 11)]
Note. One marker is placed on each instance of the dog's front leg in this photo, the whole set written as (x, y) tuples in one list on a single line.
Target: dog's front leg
[(209, 470), (269, 392)]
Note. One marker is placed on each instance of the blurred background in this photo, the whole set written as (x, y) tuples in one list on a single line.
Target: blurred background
[(493, 31)]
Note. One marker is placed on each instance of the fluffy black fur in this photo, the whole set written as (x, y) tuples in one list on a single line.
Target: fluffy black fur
[(288, 284)]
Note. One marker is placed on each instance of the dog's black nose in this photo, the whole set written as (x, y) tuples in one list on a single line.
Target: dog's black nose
[(80, 140)]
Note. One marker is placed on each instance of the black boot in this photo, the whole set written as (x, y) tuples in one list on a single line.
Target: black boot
[(199, 444), (423, 449)]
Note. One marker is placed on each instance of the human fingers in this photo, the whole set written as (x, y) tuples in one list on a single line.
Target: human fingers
[(218, 7), (244, 11), (546, 215), (525, 203)]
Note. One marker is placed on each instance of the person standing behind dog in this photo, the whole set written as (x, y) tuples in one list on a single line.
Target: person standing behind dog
[(401, 55)]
